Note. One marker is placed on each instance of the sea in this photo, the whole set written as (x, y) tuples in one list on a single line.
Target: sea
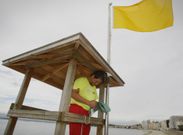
[(27, 127)]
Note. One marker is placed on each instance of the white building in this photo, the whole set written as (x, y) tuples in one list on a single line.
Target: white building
[(164, 125), (175, 121), (145, 124)]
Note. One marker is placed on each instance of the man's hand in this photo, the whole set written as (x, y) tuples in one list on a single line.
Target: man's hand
[(92, 103), (76, 96)]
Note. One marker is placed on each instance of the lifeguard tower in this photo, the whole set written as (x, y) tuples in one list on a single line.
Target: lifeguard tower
[(58, 64)]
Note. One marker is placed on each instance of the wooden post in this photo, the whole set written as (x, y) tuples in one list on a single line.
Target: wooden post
[(66, 96), (101, 114), (18, 103)]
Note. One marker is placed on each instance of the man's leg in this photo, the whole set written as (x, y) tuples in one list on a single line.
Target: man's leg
[(74, 129), (86, 129)]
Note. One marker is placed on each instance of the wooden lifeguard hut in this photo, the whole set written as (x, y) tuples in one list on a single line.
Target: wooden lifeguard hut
[(58, 64)]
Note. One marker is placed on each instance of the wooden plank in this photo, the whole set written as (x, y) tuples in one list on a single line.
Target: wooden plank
[(76, 118), (18, 103), (76, 46), (66, 96), (64, 51), (87, 56), (65, 117), (61, 59), (34, 114), (53, 72), (82, 61), (75, 49), (41, 56), (23, 90), (25, 107), (49, 81), (41, 72), (10, 126), (101, 114), (82, 71), (60, 74), (33, 58)]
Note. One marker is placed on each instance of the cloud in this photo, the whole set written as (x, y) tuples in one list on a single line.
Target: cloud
[(6, 99)]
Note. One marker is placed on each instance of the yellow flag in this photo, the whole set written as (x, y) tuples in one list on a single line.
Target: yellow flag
[(145, 16)]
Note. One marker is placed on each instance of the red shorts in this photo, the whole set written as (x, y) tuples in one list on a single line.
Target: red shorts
[(77, 128)]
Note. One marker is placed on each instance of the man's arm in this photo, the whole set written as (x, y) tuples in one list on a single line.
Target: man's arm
[(75, 95)]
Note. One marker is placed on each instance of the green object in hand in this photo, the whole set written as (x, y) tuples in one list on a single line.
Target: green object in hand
[(102, 107)]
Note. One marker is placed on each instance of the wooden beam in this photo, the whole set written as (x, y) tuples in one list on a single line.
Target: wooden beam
[(67, 90), (18, 103), (82, 61), (52, 82), (82, 70), (76, 45), (55, 71), (66, 96), (71, 117), (34, 114), (23, 90), (48, 69), (25, 107), (101, 114), (39, 63), (64, 51), (64, 117), (75, 49)]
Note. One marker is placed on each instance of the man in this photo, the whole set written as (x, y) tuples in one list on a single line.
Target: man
[(84, 98)]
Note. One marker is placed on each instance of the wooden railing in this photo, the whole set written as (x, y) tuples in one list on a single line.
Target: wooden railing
[(66, 117)]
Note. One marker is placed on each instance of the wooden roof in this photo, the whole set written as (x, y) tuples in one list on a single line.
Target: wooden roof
[(49, 63)]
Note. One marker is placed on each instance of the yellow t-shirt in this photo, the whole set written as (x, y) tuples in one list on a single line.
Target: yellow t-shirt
[(85, 90)]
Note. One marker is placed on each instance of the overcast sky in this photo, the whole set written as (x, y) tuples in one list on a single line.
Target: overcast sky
[(151, 64)]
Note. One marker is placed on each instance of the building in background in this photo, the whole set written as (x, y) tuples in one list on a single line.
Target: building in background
[(164, 124), (175, 122)]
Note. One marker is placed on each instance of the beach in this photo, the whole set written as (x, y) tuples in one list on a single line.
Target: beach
[(153, 132), (25, 127)]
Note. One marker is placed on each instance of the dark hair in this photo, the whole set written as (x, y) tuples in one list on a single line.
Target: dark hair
[(100, 74)]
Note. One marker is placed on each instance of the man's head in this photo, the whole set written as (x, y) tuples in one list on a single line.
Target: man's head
[(98, 77)]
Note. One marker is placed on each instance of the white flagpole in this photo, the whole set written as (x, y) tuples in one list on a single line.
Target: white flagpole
[(109, 35), (106, 131)]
